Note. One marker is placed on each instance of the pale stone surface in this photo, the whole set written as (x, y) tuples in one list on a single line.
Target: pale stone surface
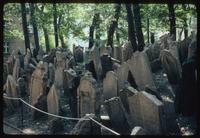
[(147, 111), (127, 51), (53, 101), (141, 71), (138, 131), (110, 87), (38, 83), (88, 96), (117, 53)]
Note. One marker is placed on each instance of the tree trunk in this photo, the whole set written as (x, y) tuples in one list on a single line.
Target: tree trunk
[(98, 31), (117, 37), (55, 24), (35, 30), (172, 20), (131, 30), (62, 40), (185, 22), (92, 27), (113, 25), (138, 26), (25, 29), (46, 37), (148, 30)]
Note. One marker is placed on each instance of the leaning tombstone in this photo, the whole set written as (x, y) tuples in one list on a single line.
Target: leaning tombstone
[(16, 69), (171, 67), (140, 69), (117, 53), (118, 115), (147, 111)]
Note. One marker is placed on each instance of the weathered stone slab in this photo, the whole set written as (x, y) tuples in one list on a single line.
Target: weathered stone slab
[(88, 96), (10, 64), (59, 78), (78, 54), (141, 71), (11, 91), (171, 66), (51, 74), (147, 111), (95, 57), (127, 51), (117, 53), (110, 85), (38, 83), (53, 101), (106, 63), (122, 75), (118, 115), (22, 87), (16, 69)]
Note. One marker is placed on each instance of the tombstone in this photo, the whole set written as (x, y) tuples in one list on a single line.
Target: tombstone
[(186, 101), (51, 73), (38, 84), (60, 60), (110, 87), (124, 94), (22, 86), (90, 67), (171, 67), (27, 59), (183, 49), (85, 126), (53, 101), (16, 69), (78, 54), (138, 131), (11, 91), (95, 57), (141, 71), (118, 115), (59, 78), (127, 51), (70, 89), (40, 55), (147, 111), (46, 66), (192, 49), (106, 63), (117, 53), (10, 63), (88, 96)]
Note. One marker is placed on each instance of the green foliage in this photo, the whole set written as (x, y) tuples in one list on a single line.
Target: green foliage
[(74, 20)]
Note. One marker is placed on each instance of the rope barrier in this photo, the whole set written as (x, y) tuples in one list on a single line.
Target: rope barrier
[(58, 116), (104, 126)]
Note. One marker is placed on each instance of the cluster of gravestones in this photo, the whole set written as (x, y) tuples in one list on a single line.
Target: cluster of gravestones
[(113, 86), (178, 59)]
